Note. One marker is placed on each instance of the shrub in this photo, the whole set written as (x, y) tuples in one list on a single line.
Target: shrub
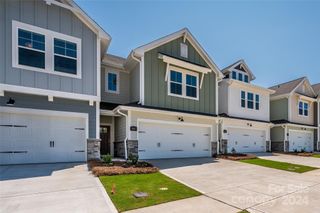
[(133, 159), (233, 151), (106, 159)]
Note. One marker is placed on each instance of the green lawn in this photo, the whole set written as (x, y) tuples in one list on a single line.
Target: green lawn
[(316, 155), (280, 165), (244, 211), (126, 185)]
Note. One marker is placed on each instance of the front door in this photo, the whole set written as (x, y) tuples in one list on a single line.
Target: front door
[(105, 140)]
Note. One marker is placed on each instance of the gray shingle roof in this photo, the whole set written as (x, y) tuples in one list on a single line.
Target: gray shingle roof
[(287, 87), (316, 88)]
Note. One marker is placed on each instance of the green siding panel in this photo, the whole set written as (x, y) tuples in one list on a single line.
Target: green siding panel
[(277, 134), (279, 109), (156, 89)]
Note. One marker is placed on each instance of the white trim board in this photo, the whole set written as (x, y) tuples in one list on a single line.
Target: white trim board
[(44, 92), (49, 49)]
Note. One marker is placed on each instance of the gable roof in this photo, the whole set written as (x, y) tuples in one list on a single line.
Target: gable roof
[(316, 88), (113, 61), (86, 19), (186, 34), (290, 86), (237, 63)]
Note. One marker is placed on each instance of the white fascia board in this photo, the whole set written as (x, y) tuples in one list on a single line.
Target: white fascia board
[(267, 123), (187, 35), (158, 111), (303, 97), (108, 113), (249, 86), (44, 92), (184, 64)]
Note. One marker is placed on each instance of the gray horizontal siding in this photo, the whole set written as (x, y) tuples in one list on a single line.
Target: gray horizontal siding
[(279, 109), (120, 129), (41, 102), (38, 13)]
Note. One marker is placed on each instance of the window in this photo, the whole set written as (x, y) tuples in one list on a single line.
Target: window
[(243, 99), (250, 100), (240, 77), (234, 75), (31, 49), (65, 56), (183, 83), (183, 50), (303, 108), (257, 102), (175, 82), (246, 78), (191, 86), (42, 50), (112, 82)]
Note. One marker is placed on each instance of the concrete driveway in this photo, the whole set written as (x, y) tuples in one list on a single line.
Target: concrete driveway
[(307, 161), (51, 188), (232, 186)]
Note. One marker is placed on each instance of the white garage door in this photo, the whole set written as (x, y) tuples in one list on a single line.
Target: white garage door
[(299, 140), (245, 140), (29, 138), (172, 141)]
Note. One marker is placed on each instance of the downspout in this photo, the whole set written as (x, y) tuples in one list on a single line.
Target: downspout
[(318, 135), (126, 139), (140, 73)]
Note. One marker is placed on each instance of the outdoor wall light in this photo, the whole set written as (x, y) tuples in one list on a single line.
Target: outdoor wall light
[(10, 102), (181, 119)]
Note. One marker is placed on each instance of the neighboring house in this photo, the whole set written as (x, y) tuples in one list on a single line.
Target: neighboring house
[(245, 126), (293, 112), (161, 101), (316, 88), (50, 61)]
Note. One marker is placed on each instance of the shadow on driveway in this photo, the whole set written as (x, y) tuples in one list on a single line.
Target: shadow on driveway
[(12, 172), (181, 162)]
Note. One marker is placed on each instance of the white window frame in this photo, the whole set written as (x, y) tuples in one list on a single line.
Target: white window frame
[(238, 73), (184, 73), (245, 99), (303, 102), (257, 102), (183, 50), (254, 100), (107, 82), (49, 49)]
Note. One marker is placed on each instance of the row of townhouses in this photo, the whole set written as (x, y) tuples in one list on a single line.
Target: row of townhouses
[(60, 89)]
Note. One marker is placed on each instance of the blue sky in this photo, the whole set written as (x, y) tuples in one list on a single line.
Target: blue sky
[(279, 40)]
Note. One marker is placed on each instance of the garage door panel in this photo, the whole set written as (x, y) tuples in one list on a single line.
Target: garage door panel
[(300, 140), (246, 140), (28, 139), (173, 141)]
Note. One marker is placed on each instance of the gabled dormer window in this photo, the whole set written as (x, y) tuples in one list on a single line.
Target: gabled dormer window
[(241, 76)]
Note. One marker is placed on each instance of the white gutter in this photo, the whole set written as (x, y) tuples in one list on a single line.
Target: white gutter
[(140, 76), (125, 140)]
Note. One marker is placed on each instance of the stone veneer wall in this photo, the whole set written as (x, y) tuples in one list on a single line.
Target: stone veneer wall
[(224, 146), (93, 148), (277, 146), (132, 146), (268, 146), (214, 149), (119, 149)]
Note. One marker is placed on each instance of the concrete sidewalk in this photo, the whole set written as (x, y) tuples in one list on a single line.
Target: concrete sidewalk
[(51, 188)]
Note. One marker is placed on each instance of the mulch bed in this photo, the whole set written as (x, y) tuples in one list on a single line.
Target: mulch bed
[(237, 156), (98, 168), (303, 154)]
